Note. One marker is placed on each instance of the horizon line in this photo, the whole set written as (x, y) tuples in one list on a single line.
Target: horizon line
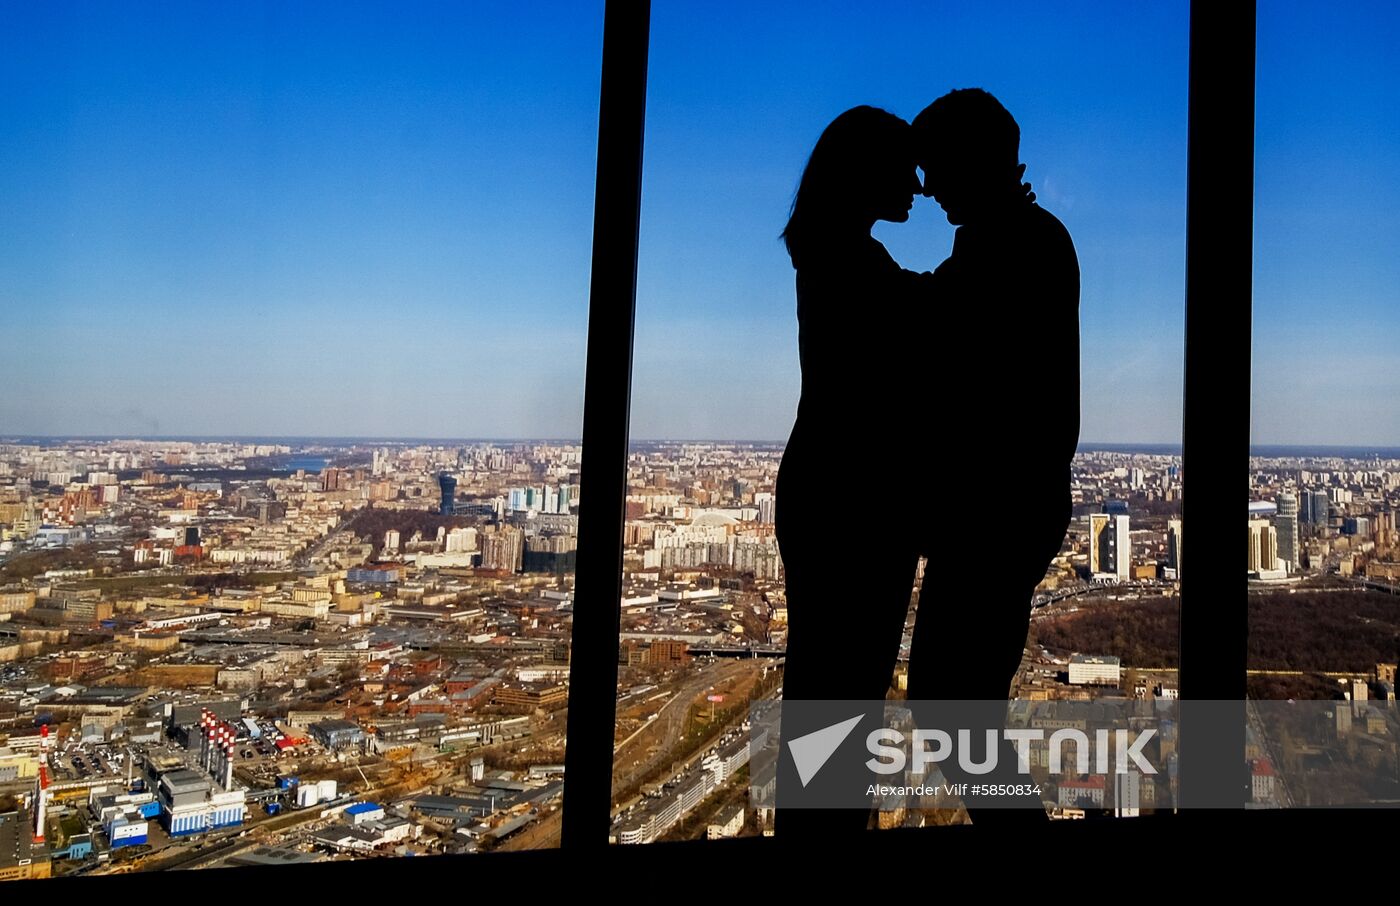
[(406, 438), (576, 441)]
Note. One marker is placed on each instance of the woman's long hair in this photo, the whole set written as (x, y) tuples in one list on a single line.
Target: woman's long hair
[(852, 152)]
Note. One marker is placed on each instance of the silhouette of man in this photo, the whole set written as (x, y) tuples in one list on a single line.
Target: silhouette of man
[(1014, 417)]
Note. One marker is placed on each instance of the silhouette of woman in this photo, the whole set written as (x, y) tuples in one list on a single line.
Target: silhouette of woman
[(853, 307)]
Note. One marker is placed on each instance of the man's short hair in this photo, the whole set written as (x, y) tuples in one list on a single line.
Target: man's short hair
[(982, 126)]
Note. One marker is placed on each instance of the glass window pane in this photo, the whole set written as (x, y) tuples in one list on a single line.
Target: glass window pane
[(293, 301), (735, 108), (1325, 434)]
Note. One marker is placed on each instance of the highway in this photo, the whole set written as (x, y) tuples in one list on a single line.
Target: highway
[(669, 722)]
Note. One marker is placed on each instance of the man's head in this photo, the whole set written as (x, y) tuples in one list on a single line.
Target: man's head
[(968, 146)]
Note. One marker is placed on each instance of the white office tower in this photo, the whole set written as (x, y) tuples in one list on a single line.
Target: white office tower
[(1110, 547), (1123, 549), (1286, 525)]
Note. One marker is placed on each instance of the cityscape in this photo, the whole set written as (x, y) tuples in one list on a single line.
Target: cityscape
[(296, 302), (241, 646), (228, 652), (247, 652)]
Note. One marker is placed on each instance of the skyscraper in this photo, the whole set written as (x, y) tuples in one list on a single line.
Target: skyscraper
[(1110, 546), (1263, 546), (1100, 552), (1320, 510), (1286, 522), (448, 484), (1174, 545), (1122, 549)]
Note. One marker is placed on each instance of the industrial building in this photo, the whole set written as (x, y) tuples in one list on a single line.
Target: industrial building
[(21, 856), (364, 812), (528, 697), (1094, 670), (337, 734), (366, 836), (125, 827), (184, 715), (190, 804)]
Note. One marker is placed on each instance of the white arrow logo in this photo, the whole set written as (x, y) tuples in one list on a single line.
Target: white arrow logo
[(812, 751)]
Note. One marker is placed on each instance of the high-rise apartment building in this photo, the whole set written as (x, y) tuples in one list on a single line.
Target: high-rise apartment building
[(1263, 546), (1174, 545), (1286, 524)]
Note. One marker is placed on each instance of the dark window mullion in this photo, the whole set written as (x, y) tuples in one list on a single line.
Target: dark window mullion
[(1215, 433), (588, 755)]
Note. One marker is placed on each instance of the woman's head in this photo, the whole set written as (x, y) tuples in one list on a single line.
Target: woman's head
[(861, 171)]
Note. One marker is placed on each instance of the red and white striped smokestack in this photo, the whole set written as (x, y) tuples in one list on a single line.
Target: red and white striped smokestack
[(41, 809)]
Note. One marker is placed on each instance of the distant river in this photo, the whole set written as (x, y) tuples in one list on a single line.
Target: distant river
[(308, 463)]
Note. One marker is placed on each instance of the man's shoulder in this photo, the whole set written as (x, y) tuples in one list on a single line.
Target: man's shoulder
[(1050, 235), (1042, 220), (1030, 235)]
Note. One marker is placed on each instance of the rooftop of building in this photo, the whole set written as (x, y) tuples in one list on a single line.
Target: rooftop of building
[(1099, 659)]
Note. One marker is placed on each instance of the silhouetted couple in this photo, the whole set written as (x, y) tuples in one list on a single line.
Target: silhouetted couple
[(938, 416)]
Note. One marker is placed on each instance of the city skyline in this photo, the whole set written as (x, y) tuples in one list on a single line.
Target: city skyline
[(405, 439), (364, 649), (301, 441)]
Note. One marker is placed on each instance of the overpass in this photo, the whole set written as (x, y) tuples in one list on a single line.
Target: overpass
[(737, 650)]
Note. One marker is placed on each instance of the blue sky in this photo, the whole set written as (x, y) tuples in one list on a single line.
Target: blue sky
[(1327, 224), (735, 105), (296, 219), (368, 219)]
